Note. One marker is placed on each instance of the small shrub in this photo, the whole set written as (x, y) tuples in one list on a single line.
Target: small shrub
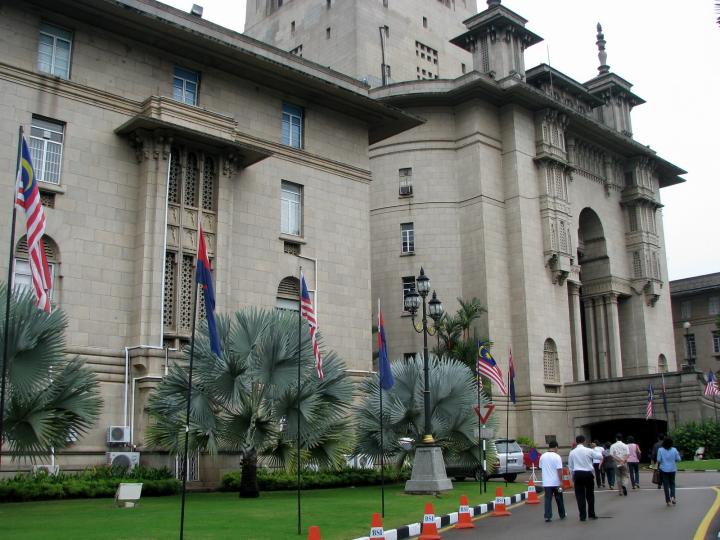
[(688, 437)]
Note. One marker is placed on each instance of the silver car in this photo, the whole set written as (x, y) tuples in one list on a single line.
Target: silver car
[(511, 460)]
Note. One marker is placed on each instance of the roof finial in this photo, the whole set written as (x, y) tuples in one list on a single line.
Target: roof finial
[(492, 3), (602, 55)]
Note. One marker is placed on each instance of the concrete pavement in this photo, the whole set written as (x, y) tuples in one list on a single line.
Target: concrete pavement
[(642, 514)]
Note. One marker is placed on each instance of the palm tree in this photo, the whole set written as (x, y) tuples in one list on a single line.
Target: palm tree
[(453, 395), (50, 399), (454, 332), (246, 401)]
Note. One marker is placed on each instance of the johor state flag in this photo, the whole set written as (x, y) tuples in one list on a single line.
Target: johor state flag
[(386, 378), (511, 377), (203, 277)]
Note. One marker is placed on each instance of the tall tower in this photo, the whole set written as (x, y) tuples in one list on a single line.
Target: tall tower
[(346, 35)]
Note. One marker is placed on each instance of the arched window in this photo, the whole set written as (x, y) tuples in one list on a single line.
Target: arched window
[(288, 294), (21, 273), (551, 364), (662, 364)]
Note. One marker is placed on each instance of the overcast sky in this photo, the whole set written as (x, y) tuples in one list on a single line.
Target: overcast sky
[(670, 51)]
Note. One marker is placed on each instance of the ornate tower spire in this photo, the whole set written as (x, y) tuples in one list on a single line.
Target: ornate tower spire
[(602, 55)]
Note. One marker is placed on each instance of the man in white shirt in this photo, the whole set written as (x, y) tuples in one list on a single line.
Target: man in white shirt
[(580, 463), (620, 452), (551, 466)]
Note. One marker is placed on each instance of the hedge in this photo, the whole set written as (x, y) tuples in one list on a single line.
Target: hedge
[(281, 480), (690, 436), (89, 484)]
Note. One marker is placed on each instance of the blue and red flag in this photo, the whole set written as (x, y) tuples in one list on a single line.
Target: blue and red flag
[(511, 377), (384, 370), (203, 277)]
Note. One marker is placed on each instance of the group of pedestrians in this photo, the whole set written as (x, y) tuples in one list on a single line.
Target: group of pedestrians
[(595, 464)]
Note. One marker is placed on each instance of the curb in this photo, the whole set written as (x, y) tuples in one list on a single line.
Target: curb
[(414, 529)]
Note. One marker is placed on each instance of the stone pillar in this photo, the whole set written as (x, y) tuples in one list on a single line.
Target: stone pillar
[(590, 338), (613, 322), (601, 338), (576, 332)]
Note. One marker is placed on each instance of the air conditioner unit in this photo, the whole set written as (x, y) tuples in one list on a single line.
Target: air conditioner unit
[(126, 460), (118, 435), (405, 190)]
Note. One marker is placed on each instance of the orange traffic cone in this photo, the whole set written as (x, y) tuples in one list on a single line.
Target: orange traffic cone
[(566, 478), (314, 532), (464, 519), (500, 509), (376, 527), (532, 497), (429, 528)]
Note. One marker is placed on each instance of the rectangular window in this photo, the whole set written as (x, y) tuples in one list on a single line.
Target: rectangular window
[(425, 22), (714, 305), (46, 145), (407, 234), (291, 208), (632, 212), (405, 181), (327, 33), (54, 48), (292, 125), (716, 342), (408, 287), (463, 68), (185, 85), (23, 278), (385, 3), (686, 310), (691, 350), (292, 27), (386, 30), (329, 4)]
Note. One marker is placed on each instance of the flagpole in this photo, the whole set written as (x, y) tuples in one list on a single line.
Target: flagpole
[(299, 518), (507, 428), (187, 412), (382, 446), (8, 292), (478, 382), (665, 408)]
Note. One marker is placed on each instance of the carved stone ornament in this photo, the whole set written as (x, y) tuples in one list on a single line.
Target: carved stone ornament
[(560, 267), (230, 164)]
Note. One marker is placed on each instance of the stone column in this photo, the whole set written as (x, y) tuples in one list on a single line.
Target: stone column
[(613, 321), (590, 338), (601, 338), (576, 332)]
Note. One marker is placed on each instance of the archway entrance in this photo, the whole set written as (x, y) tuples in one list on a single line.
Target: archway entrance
[(644, 431)]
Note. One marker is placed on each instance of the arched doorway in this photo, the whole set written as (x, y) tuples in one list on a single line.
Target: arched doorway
[(644, 431)]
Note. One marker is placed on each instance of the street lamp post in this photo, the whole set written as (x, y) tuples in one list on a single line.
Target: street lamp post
[(690, 359), (428, 474)]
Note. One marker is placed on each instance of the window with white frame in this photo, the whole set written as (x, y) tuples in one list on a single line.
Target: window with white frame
[(405, 175), (291, 208), (46, 146), (685, 309), (716, 342), (22, 276), (292, 125), (185, 85), (691, 349), (714, 305), (408, 287), (407, 235), (54, 49)]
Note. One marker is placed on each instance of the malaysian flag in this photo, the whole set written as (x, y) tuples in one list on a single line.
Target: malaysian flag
[(487, 367), (711, 388), (308, 313), (649, 408), (27, 198)]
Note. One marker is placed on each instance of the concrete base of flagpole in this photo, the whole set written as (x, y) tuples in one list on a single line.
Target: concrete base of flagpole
[(428, 473)]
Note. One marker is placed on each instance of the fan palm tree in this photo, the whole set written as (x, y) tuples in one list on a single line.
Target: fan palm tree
[(453, 395), (49, 398), (246, 401)]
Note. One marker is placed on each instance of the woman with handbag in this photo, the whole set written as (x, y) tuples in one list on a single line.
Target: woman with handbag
[(667, 458)]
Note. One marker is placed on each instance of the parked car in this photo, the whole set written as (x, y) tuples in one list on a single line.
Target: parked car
[(509, 452)]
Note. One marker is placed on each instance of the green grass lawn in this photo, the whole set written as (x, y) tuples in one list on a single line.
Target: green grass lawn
[(341, 514), (699, 465)]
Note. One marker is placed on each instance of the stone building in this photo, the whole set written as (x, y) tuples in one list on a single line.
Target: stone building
[(144, 122), (696, 308), (524, 188)]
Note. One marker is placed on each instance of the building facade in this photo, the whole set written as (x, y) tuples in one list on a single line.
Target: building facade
[(696, 312), (144, 123), (523, 188)]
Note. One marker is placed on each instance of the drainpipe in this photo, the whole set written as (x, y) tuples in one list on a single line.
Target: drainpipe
[(314, 261)]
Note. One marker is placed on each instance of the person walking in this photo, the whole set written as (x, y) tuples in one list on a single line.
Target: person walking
[(667, 457), (551, 466), (653, 454), (580, 463), (608, 465), (633, 462), (597, 464), (619, 451)]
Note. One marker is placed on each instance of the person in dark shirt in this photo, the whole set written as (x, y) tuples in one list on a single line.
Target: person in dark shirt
[(653, 453)]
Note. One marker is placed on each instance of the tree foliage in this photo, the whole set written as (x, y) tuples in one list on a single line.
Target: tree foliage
[(455, 330), (246, 401), (692, 435), (453, 394)]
